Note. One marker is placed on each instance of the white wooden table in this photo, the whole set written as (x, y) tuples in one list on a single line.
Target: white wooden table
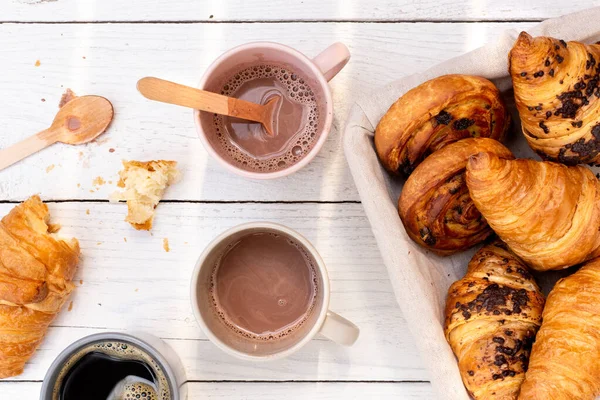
[(126, 280)]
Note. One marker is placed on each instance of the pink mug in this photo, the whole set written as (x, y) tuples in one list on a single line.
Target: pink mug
[(317, 72)]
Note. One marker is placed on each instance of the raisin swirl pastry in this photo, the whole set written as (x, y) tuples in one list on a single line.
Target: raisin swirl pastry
[(492, 316), (547, 213), (435, 206), (436, 113), (557, 93)]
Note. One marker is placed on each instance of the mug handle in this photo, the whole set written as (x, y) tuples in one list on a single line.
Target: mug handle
[(331, 60), (338, 329)]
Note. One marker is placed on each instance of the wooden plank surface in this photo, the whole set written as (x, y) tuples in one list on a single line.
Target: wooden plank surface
[(108, 59), (278, 10), (136, 285), (269, 391)]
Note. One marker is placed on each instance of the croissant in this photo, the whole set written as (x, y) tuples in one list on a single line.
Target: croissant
[(548, 213), (36, 270), (557, 94), (492, 316), (436, 113), (435, 206), (564, 359)]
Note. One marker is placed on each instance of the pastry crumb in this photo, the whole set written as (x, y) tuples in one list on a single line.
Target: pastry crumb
[(79, 185), (166, 245), (43, 100), (136, 289), (37, 63), (81, 281), (98, 181), (111, 150), (145, 184), (70, 306), (49, 168), (98, 244), (125, 239), (67, 96), (87, 211)]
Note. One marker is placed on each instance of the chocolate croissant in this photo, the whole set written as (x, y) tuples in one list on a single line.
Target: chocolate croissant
[(564, 359), (436, 113), (557, 93), (492, 316), (548, 213), (36, 270), (435, 206)]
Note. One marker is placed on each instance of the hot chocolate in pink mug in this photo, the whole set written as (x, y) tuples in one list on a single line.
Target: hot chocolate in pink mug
[(304, 116)]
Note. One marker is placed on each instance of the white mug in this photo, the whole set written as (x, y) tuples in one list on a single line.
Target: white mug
[(321, 319)]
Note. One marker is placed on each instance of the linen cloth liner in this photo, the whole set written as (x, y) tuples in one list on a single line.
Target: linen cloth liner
[(421, 279)]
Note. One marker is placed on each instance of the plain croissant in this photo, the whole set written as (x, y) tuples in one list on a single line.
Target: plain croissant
[(436, 113), (492, 316), (557, 93), (564, 362), (35, 280), (435, 206), (548, 213)]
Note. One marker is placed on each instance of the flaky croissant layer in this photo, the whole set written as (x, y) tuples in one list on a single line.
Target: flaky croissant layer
[(565, 359), (548, 213), (492, 316), (557, 93)]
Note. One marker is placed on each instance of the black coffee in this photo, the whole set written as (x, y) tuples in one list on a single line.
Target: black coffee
[(94, 372)]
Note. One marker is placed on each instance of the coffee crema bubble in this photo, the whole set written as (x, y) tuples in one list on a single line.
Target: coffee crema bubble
[(247, 144), (117, 358), (264, 286)]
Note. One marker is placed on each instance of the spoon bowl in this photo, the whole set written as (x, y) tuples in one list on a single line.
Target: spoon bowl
[(82, 119)]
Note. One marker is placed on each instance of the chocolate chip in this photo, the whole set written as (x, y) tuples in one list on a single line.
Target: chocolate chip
[(563, 43), (523, 73), (471, 373), (463, 123), (548, 114), (551, 72), (559, 58), (498, 340), (443, 118), (547, 63), (544, 127), (538, 74)]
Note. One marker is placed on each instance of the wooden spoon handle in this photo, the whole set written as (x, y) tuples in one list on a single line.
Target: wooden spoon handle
[(25, 148), (181, 95)]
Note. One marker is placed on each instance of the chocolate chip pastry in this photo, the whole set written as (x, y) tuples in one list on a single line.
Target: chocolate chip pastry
[(492, 316), (557, 93)]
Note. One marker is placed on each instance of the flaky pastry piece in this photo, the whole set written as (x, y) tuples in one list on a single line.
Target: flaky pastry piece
[(564, 362), (547, 213), (145, 184), (36, 270), (436, 113), (557, 93), (492, 316), (435, 206)]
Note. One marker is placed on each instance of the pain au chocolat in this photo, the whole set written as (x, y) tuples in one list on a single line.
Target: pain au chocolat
[(557, 93), (435, 114)]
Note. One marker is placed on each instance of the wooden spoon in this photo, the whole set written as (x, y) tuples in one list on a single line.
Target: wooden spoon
[(174, 93), (79, 121)]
